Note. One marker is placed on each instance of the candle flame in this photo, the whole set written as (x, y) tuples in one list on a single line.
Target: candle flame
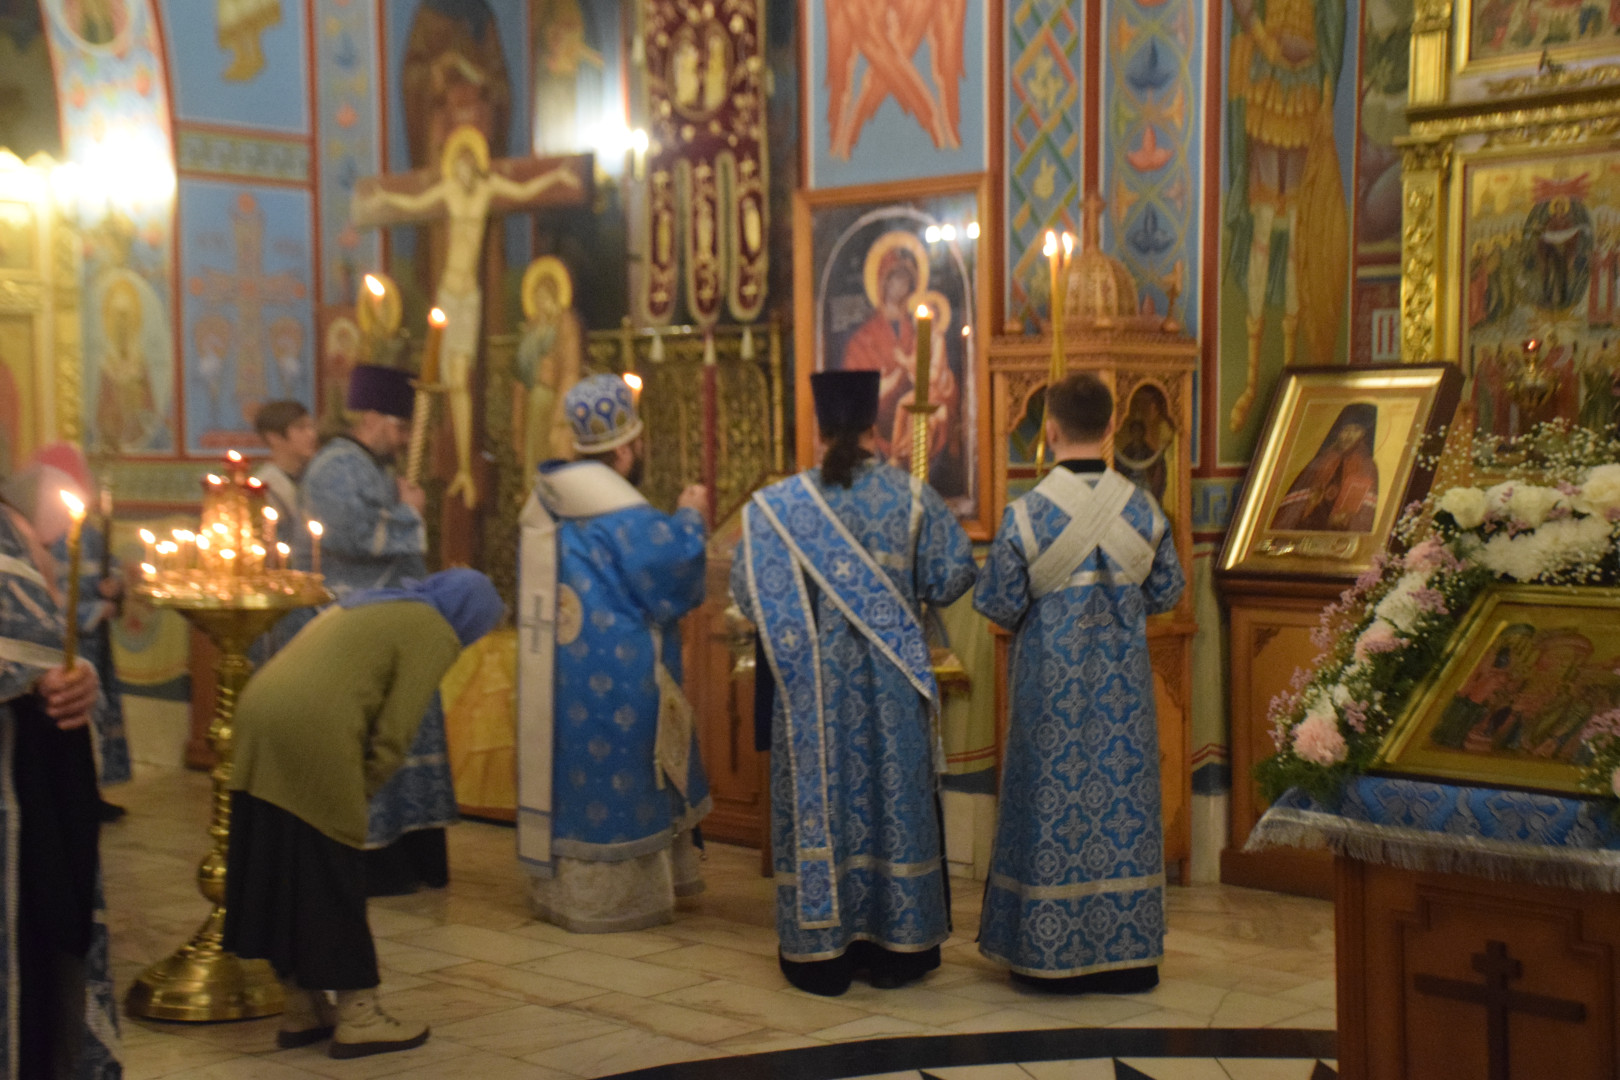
[(219, 527), (147, 537), (922, 311), (947, 233), (255, 483), (375, 287), (212, 479), (148, 569), (967, 331), (1068, 243), (972, 230), (184, 536), (316, 529), (283, 550), (632, 380), (438, 318), (168, 547), (227, 554), (74, 505), (1049, 249), (270, 514), (233, 456), (258, 550), (202, 542)]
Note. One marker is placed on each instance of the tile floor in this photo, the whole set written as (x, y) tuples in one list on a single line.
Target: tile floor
[(510, 998)]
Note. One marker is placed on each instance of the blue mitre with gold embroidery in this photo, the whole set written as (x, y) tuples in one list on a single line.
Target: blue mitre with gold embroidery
[(603, 413)]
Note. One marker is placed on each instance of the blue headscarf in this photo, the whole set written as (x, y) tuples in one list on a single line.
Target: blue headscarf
[(466, 599)]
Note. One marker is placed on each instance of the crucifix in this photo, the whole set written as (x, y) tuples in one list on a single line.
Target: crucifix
[(465, 190), (1499, 969)]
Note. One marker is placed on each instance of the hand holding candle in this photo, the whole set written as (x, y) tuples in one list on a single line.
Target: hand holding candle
[(70, 637)]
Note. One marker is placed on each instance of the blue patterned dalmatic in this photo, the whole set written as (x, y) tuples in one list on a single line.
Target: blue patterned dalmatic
[(1077, 875), (833, 578), (374, 541), (31, 630)]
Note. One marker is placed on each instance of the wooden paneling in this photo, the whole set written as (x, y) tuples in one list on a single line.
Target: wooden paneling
[(1418, 954), (1269, 638)]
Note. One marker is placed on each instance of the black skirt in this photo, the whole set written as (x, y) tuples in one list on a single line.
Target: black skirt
[(297, 898)]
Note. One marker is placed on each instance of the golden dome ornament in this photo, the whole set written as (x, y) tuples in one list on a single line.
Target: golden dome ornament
[(1100, 291)]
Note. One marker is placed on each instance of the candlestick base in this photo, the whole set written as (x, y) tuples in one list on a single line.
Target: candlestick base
[(201, 982)]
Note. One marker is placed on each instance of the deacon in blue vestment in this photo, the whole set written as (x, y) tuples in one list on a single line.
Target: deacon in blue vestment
[(374, 539), (1075, 900), (834, 565), (610, 786), (57, 1012)]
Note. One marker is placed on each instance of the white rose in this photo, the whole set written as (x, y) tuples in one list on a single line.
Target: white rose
[(1530, 504), (1600, 493), (1466, 505)]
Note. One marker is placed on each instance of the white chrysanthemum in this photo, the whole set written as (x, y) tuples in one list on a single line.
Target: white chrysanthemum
[(1466, 505), (1530, 504), (1498, 497), (1399, 606), (1600, 491), (1520, 558)]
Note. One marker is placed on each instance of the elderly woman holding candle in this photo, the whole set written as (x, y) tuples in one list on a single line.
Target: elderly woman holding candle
[(54, 945), (319, 730)]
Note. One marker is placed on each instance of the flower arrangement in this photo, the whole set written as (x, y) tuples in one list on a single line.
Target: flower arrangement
[(1553, 520)]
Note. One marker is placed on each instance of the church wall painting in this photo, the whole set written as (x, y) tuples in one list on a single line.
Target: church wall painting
[(1341, 455), (28, 123), (894, 90), (241, 63), (249, 332), (863, 263), (1527, 672), (576, 49), (1504, 34), (348, 133), (1044, 144), (112, 90), (1539, 259), (1386, 30), (1152, 148), (1287, 159)]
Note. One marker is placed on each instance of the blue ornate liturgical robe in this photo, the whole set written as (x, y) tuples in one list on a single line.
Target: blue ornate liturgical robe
[(608, 768), (31, 631), (833, 577), (1077, 875), (374, 541)]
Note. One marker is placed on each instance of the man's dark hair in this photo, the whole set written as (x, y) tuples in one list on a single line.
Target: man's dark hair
[(275, 417), (1081, 406)]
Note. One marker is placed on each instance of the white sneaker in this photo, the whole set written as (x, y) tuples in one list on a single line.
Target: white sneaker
[(308, 1016), (364, 1029)]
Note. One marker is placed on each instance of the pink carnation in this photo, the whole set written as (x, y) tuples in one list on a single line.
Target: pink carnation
[(1380, 637), (1430, 600), (1604, 723), (1431, 555), (1318, 741), (1355, 714)]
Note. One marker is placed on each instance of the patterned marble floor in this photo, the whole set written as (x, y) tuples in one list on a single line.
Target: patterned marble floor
[(510, 998)]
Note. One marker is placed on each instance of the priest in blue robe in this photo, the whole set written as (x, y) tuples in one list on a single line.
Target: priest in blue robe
[(1075, 900), (57, 1013), (610, 785), (374, 538), (834, 566)]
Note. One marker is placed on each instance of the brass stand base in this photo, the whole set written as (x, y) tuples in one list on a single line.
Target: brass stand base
[(202, 982)]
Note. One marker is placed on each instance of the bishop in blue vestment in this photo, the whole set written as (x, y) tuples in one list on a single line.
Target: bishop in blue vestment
[(610, 786), (374, 539), (834, 565), (1075, 900)]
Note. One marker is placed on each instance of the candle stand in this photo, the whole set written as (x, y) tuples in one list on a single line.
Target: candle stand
[(201, 981)]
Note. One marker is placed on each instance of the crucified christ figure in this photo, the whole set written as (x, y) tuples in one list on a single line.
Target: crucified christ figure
[(466, 192)]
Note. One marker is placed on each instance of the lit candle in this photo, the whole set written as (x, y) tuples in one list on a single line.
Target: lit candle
[(633, 381), (375, 292), (925, 354), (148, 570), (258, 556), (315, 531), (1055, 305), (70, 638), (283, 551), (270, 520), (203, 546), (182, 537), (229, 555), (148, 539), (422, 411)]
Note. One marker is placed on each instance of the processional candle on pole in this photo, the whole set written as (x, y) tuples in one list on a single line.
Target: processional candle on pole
[(70, 611), (921, 409), (426, 384)]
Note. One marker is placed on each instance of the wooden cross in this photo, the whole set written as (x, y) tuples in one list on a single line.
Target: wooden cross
[(1499, 969)]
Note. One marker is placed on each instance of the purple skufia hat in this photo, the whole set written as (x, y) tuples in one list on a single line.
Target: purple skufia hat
[(373, 388), (845, 400)]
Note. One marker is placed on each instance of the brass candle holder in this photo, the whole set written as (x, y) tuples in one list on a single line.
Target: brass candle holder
[(201, 981)]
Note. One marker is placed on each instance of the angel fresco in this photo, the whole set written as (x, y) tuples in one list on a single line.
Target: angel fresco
[(887, 35), (1285, 62)]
